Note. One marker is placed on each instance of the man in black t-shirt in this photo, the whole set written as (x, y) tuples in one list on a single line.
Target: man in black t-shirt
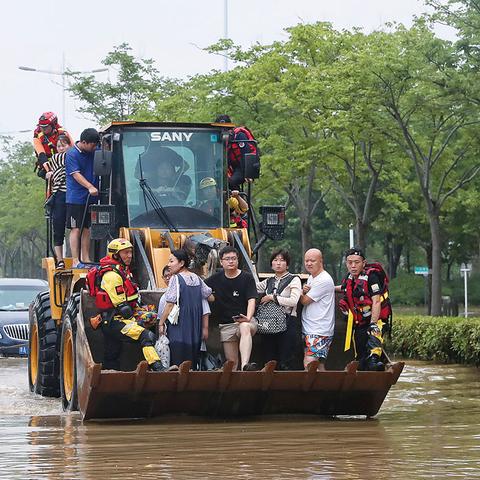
[(235, 294)]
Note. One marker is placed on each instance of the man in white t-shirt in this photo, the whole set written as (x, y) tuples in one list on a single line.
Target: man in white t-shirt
[(318, 315)]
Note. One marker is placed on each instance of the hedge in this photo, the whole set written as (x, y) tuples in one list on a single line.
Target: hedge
[(441, 339)]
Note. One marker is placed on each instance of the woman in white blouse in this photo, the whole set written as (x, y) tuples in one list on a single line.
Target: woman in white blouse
[(281, 346)]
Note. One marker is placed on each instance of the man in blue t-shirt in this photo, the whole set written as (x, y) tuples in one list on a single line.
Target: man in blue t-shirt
[(80, 183)]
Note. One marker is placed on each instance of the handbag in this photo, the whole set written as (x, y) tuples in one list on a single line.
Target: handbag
[(271, 317), (175, 312)]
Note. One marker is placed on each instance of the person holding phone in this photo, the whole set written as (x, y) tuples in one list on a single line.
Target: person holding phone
[(234, 293)]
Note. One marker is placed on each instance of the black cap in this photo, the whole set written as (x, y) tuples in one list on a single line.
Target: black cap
[(355, 251), (223, 119)]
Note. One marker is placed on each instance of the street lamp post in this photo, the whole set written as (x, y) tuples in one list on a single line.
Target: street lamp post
[(225, 32), (64, 73)]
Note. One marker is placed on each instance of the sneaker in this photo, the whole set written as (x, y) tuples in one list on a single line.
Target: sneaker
[(250, 367), (374, 364), (81, 265), (60, 264), (157, 367)]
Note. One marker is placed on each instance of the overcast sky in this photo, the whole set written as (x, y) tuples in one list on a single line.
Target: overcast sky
[(39, 33)]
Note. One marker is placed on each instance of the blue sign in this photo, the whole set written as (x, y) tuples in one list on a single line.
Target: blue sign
[(421, 271)]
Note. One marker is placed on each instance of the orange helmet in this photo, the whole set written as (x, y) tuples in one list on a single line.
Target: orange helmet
[(48, 119)]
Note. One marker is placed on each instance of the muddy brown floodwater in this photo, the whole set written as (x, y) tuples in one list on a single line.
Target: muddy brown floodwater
[(428, 427)]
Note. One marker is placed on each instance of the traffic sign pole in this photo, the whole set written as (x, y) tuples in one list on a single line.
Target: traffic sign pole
[(465, 268)]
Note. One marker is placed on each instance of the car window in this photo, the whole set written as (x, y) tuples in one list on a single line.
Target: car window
[(18, 297)]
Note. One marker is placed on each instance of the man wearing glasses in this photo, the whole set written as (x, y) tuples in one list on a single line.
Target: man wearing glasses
[(234, 293)]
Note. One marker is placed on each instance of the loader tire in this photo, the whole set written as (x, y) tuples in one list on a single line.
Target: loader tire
[(43, 361), (68, 367)]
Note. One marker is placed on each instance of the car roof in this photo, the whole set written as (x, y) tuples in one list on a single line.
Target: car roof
[(26, 282)]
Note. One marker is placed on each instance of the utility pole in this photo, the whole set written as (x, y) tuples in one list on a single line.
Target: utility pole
[(225, 32)]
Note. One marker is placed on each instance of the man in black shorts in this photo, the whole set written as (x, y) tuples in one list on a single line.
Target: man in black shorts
[(235, 293), (80, 183)]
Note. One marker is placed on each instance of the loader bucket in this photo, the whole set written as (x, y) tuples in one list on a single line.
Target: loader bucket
[(139, 393)]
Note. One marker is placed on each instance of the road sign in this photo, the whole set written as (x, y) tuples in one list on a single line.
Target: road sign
[(421, 270)]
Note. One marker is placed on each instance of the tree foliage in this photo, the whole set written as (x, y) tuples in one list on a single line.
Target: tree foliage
[(376, 130), (22, 228), (135, 86)]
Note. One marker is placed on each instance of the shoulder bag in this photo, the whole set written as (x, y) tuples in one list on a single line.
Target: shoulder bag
[(175, 312)]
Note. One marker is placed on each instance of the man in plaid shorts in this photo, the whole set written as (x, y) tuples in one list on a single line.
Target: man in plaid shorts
[(318, 315)]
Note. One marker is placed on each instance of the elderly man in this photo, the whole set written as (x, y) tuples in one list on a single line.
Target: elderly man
[(318, 315)]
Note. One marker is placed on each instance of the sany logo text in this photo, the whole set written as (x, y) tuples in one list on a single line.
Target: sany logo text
[(170, 136)]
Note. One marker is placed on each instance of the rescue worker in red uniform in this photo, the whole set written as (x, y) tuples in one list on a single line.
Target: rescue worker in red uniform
[(239, 143), (45, 138), (367, 306), (122, 316)]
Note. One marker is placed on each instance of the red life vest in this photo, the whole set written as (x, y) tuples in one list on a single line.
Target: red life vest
[(235, 148), (357, 296), (237, 221), (94, 280), (49, 142)]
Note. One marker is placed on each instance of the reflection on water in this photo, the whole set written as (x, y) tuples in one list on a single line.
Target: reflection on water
[(427, 428)]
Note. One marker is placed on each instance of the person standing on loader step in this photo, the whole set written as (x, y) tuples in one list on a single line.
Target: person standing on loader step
[(239, 144), (80, 183), (45, 138), (318, 315), (56, 202), (364, 293), (128, 317)]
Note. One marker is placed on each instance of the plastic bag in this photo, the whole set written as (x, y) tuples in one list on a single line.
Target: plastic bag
[(163, 349)]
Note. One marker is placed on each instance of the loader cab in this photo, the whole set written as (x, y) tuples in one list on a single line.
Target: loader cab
[(156, 174)]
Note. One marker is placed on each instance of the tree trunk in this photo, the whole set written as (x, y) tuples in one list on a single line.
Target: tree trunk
[(306, 232), (361, 233), (393, 252), (449, 270), (436, 299)]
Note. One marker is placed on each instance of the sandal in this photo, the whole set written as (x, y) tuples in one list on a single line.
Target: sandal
[(61, 264)]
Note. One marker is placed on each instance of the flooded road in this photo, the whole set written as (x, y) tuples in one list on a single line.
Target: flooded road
[(428, 427)]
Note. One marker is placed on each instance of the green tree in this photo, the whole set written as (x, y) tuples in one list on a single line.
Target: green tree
[(136, 85), (430, 122), (22, 229)]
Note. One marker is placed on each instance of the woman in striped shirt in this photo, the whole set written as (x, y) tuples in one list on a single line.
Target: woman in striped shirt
[(56, 176)]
